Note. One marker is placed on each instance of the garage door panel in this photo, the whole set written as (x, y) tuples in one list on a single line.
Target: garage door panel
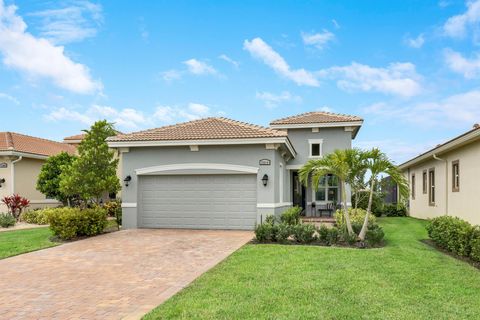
[(198, 201)]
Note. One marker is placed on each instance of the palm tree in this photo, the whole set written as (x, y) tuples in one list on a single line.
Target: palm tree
[(336, 163), (356, 159), (377, 163)]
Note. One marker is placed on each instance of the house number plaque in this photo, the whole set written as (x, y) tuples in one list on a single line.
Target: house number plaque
[(264, 162)]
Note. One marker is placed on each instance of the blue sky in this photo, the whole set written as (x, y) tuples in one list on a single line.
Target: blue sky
[(410, 68)]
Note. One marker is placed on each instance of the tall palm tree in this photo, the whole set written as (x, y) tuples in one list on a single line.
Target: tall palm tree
[(336, 163), (377, 163), (356, 159)]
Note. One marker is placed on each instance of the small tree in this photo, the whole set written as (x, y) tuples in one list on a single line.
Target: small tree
[(377, 163), (48, 181), (93, 173), (15, 205)]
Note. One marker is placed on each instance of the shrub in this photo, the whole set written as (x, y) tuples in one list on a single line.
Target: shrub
[(15, 205), (377, 202), (304, 233), (7, 220), (333, 236), (356, 218), (68, 223), (451, 233), (323, 233), (270, 219), (114, 209), (291, 216), (374, 235), (345, 237), (265, 232), (395, 210), (284, 231), (40, 216), (475, 244)]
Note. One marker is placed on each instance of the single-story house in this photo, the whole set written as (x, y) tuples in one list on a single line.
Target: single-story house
[(444, 180), (217, 173), (21, 158)]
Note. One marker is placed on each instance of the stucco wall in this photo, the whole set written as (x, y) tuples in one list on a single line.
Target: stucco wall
[(461, 203), (6, 188), (245, 155)]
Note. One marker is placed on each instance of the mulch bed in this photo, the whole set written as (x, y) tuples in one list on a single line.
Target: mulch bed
[(432, 244)]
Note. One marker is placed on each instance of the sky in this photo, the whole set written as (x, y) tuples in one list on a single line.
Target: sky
[(410, 69)]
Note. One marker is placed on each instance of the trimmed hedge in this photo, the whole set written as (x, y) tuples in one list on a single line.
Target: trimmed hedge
[(7, 220), (394, 210), (455, 235), (69, 223), (291, 216), (356, 217), (40, 216)]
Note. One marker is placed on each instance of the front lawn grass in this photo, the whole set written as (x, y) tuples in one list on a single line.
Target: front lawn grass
[(21, 241), (404, 280)]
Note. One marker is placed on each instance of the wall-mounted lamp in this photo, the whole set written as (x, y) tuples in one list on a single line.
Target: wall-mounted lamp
[(2, 181), (127, 180), (265, 180)]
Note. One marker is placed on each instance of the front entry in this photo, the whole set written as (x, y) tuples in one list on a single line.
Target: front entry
[(299, 191)]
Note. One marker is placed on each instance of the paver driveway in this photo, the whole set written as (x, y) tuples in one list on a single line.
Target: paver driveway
[(113, 276)]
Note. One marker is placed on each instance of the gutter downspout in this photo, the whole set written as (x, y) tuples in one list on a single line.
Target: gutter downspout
[(446, 181), (13, 172)]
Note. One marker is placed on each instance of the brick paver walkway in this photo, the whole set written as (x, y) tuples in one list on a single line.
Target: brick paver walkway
[(120, 275)]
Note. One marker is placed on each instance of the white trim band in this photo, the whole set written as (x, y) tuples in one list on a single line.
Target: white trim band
[(196, 166), (45, 201), (129, 204), (273, 205)]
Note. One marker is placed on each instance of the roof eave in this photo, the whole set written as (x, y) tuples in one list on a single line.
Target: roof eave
[(23, 154), (453, 144)]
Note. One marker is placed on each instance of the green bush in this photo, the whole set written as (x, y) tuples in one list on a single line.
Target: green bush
[(265, 232), (377, 202), (357, 216), (451, 233), (374, 235), (303, 233), (283, 232), (333, 236), (114, 209), (7, 220), (347, 238), (68, 223), (394, 210), (270, 219), (323, 233), (40, 216), (291, 216), (475, 244)]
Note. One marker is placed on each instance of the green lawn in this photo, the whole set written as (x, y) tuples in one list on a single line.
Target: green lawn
[(404, 280), (21, 241)]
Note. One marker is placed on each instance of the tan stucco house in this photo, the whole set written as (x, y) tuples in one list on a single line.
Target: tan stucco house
[(21, 158), (445, 180)]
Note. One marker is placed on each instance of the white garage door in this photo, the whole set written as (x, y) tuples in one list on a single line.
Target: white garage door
[(198, 201)]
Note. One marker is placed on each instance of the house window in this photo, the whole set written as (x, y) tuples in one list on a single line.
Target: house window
[(327, 189), (413, 186), (431, 186), (315, 146), (424, 182), (455, 176)]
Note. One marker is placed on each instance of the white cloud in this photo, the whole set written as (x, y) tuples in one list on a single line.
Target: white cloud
[(325, 109), (193, 111), (226, 58), (460, 110), (272, 100), (397, 150), (318, 40), (400, 79), (456, 26), (469, 68), (415, 42), (261, 50), (72, 23), (127, 118), (171, 75), (199, 67), (335, 24), (9, 97), (37, 57)]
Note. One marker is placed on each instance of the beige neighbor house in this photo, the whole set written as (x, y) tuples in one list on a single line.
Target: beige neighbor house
[(21, 158), (445, 180)]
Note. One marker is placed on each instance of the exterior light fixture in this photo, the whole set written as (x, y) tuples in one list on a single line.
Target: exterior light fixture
[(127, 180), (265, 180), (2, 181)]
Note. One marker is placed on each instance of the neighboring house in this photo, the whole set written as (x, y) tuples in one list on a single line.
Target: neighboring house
[(21, 158), (74, 140), (445, 179), (217, 173)]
